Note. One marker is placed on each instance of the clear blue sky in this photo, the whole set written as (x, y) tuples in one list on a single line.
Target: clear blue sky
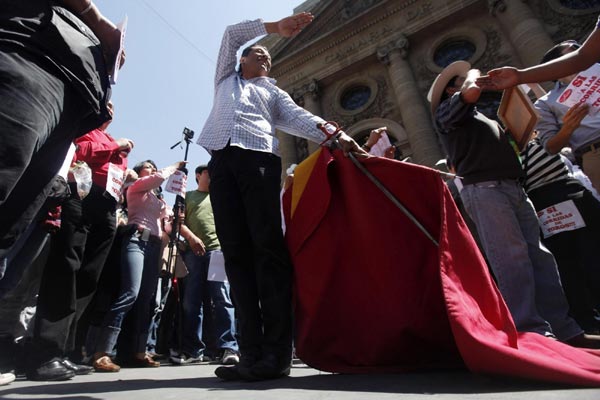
[(166, 83)]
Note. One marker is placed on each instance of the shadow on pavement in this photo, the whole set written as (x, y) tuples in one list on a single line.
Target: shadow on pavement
[(459, 382)]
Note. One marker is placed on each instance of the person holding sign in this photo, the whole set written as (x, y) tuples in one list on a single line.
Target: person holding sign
[(77, 255), (140, 255), (569, 217), (560, 126), (494, 198), (201, 257)]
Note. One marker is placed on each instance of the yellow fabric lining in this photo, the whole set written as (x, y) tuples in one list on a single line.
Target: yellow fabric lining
[(301, 175)]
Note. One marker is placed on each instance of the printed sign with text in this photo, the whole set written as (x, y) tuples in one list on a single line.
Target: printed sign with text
[(584, 88)]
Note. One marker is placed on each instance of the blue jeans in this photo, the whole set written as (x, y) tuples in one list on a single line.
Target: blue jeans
[(525, 270), (196, 285), (139, 275)]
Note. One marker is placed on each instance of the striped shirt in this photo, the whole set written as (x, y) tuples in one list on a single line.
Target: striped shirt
[(541, 168), (246, 113)]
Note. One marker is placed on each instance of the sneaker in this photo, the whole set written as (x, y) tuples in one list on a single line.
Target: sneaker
[(230, 357), (184, 359), (5, 379)]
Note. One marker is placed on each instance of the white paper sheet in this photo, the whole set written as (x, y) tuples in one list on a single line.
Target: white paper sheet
[(121, 26), (216, 267)]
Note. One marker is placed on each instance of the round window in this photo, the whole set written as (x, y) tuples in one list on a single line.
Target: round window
[(454, 50), (580, 4), (355, 97)]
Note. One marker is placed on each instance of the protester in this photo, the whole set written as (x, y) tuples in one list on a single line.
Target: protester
[(202, 245), (560, 126), (140, 255), (555, 193), (78, 252), (491, 173), (55, 88), (245, 171)]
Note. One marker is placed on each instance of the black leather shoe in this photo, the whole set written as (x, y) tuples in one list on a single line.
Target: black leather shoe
[(229, 373), (269, 367), (78, 369), (53, 370), (240, 371)]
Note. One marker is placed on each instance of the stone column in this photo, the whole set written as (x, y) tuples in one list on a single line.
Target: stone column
[(311, 96), (526, 32), (415, 113)]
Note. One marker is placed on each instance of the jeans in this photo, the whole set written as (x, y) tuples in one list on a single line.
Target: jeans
[(525, 270), (139, 275), (195, 290)]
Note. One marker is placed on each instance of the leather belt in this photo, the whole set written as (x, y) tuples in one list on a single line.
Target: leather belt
[(590, 147)]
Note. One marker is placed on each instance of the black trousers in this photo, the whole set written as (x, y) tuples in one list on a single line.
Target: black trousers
[(77, 255), (39, 118), (576, 251), (244, 192)]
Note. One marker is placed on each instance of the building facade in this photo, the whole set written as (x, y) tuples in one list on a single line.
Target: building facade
[(370, 63)]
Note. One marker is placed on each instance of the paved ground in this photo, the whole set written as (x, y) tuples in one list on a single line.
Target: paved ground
[(198, 382)]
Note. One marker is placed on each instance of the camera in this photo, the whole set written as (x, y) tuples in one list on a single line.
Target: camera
[(188, 133)]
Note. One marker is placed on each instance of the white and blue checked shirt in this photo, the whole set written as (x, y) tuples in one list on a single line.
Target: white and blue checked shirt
[(247, 112)]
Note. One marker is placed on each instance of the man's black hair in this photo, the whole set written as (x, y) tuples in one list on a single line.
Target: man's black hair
[(200, 169), (558, 50), (246, 51), (450, 83)]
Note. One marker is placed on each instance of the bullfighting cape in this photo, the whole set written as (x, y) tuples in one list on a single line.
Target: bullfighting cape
[(374, 294)]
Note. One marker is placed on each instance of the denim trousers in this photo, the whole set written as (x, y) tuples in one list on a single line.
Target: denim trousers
[(138, 278), (525, 270), (197, 286)]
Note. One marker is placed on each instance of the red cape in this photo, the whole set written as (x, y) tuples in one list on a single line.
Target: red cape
[(374, 294)]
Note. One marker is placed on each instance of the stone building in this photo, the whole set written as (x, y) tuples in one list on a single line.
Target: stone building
[(369, 63)]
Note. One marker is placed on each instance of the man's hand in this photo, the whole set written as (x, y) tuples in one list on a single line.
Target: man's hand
[(290, 26), (125, 144), (347, 144), (196, 245), (375, 135), (572, 118), (499, 79)]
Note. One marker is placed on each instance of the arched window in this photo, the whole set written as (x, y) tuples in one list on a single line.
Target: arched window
[(453, 50)]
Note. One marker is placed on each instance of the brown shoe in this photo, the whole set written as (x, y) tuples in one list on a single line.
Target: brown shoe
[(146, 362), (105, 364)]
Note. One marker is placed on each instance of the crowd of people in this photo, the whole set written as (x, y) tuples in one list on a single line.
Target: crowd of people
[(101, 297)]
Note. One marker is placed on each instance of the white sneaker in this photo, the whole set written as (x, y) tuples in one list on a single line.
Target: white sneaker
[(184, 359), (230, 357), (5, 379)]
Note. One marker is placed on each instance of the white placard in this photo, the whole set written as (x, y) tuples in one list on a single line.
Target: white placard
[(381, 146), (114, 181), (216, 267), (121, 26), (177, 183), (584, 88), (559, 218)]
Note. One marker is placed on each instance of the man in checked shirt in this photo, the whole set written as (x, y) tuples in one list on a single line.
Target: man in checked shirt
[(245, 172)]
